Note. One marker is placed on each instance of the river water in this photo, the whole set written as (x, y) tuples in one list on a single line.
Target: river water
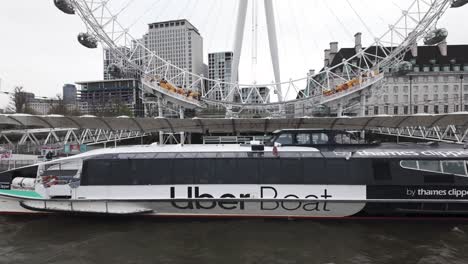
[(106, 240)]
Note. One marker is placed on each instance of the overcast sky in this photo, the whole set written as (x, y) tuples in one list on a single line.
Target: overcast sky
[(39, 50)]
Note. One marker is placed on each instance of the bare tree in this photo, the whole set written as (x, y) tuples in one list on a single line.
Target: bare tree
[(58, 107), (111, 108), (19, 101)]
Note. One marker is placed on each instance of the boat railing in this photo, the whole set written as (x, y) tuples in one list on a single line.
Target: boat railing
[(233, 139)]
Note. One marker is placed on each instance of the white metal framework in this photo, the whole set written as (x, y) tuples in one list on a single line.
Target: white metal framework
[(62, 136), (451, 128), (329, 86), (449, 134)]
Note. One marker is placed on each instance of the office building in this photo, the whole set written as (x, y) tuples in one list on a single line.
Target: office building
[(69, 94), (179, 42), (219, 69), (111, 98)]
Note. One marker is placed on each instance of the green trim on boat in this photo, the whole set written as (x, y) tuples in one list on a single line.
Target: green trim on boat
[(21, 194)]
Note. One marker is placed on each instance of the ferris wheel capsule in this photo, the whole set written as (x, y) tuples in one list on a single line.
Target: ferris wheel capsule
[(459, 3), (87, 40), (436, 36), (65, 6)]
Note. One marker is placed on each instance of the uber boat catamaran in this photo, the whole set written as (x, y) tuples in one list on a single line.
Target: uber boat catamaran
[(299, 174)]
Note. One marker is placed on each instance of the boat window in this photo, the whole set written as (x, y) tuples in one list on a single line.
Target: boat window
[(410, 164), (26, 172), (270, 171), (319, 138), (345, 138), (453, 167), (183, 171), (127, 172), (226, 171), (430, 165), (247, 171), (285, 139), (303, 139), (96, 172), (203, 171), (291, 171)]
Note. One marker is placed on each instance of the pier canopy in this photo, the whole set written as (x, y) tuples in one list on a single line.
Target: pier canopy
[(200, 125)]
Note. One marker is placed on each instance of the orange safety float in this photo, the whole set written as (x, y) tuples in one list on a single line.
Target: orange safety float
[(49, 181)]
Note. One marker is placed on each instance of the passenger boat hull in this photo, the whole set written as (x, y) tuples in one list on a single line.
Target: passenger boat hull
[(273, 201)]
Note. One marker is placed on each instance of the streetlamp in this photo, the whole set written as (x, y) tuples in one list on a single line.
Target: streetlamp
[(461, 93), (411, 95)]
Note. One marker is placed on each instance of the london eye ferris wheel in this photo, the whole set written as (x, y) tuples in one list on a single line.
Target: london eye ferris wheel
[(294, 32)]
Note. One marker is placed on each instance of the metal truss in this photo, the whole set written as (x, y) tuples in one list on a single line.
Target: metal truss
[(63, 136), (325, 87), (448, 134)]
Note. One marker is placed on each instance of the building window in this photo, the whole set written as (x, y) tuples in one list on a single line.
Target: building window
[(415, 109), (416, 99), (446, 98), (416, 89), (436, 109), (395, 110), (436, 88), (436, 97), (376, 110), (405, 89), (385, 98), (426, 97), (405, 98), (426, 109), (446, 109), (405, 110), (395, 89), (386, 109), (446, 88), (395, 99)]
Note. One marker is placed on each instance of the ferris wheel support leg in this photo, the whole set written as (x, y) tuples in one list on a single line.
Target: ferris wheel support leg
[(363, 104), (339, 112), (182, 134), (239, 38), (273, 39), (160, 114)]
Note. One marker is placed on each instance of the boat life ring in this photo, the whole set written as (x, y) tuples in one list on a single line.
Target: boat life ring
[(49, 181)]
